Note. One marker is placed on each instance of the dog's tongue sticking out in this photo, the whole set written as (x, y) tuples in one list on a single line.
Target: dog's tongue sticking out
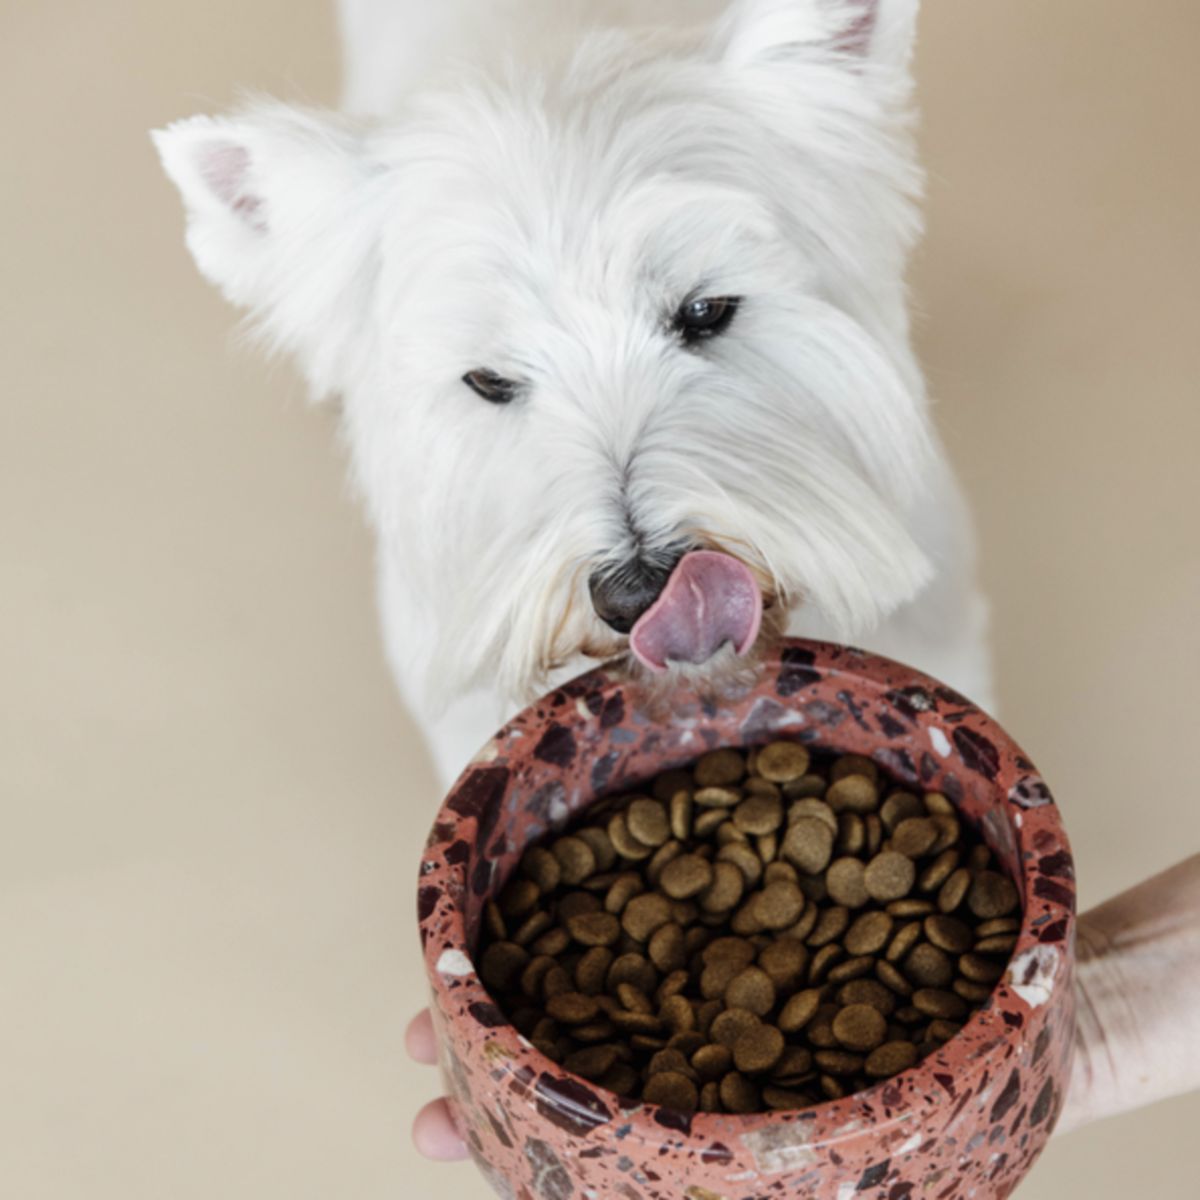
[(709, 600)]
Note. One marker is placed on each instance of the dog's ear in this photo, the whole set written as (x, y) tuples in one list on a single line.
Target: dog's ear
[(882, 31), (281, 217)]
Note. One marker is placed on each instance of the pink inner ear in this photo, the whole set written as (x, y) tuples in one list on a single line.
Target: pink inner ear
[(856, 37), (225, 168)]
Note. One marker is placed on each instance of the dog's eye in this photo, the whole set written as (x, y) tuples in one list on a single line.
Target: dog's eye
[(492, 387), (706, 317)]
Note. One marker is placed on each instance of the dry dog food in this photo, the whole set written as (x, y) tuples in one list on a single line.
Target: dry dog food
[(764, 930)]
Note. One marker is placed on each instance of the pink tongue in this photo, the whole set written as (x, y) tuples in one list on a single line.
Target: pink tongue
[(709, 600)]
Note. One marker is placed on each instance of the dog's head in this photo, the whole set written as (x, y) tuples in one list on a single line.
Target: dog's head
[(592, 316)]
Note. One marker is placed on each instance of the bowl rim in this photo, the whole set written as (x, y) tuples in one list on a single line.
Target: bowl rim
[(843, 1119)]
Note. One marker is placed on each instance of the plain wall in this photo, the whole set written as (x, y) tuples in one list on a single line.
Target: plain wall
[(212, 803)]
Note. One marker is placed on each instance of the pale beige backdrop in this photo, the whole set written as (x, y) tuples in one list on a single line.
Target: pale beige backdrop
[(211, 801)]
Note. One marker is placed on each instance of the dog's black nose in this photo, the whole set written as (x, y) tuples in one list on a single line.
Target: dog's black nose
[(622, 593)]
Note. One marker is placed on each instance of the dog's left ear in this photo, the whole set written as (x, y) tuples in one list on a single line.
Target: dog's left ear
[(882, 31), (282, 218)]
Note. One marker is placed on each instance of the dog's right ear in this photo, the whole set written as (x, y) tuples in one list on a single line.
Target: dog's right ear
[(283, 217), (878, 31)]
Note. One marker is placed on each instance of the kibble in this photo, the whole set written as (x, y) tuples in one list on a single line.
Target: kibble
[(758, 932)]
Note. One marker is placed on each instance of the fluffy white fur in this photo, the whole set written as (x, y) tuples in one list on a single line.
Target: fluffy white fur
[(534, 187)]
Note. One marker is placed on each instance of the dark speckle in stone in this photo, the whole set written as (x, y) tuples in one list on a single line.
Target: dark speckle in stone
[(977, 752), (488, 1015), (890, 726), (1043, 1104), (1054, 933), (602, 770), (929, 767), (427, 899), (669, 1118), (614, 711), (1015, 1019), (821, 712), (898, 762), (481, 877), (1047, 889), (796, 671), (1008, 1098), (1059, 865), (716, 1152), (458, 853), (557, 746), (874, 1175), (570, 1105), (854, 709)]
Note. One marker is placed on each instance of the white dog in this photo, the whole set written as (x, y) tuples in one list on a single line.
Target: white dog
[(613, 293)]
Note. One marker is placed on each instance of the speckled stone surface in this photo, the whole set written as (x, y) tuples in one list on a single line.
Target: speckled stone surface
[(966, 1122)]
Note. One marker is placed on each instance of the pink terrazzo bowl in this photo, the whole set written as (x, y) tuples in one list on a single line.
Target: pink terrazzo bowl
[(968, 1121)]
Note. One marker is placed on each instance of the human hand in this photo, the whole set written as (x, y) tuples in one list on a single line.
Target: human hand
[(1138, 1032)]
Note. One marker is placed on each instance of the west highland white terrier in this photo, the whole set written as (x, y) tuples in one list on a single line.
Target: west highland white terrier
[(613, 296)]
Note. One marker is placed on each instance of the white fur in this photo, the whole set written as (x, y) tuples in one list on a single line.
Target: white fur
[(534, 187)]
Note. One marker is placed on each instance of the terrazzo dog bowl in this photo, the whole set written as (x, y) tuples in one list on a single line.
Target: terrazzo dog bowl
[(968, 1121)]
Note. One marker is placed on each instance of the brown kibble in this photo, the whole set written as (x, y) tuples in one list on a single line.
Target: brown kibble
[(671, 1089), (625, 844), (992, 895), (782, 762), (949, 934), (726, 890), (591, 1063), (644, 914), (594, 929), (744, 858), (831, 1089), (822, 962), (938, 871), (831, 924), (686, 876), (1000, 943), (846, 882), (874, 829), (785, 1099), (794, 1063), (679, 814), (758, 815), (738, 1094), (838, 1062), (633, 999), (889, 876), (714, 798), (944, 1030), (592, 970), (518, 898), (647, 821), (779, 905), (668, 784), (710, 1102), (852, 793), (672, 985), (1000, 925), (493, 919), (867, 991), (819, 1030), (542, 867), (949, 832), (534, 975), (910, 907), (852, 834), (954, 891), (678, 1014), (719, 768), (860, 1027), (972, 993), (758, 1049), (933, 1002), (899, 806), (784, 961), (890, 1059), (915, 836), (573, 1008), (731, 1024), (712, 1061), (636, 1024), (804, 926), (665, 948), (752, 990), (576, 904), (634, 969), (853, 764), (601, 844), (869, 933), (799, 1010), (556, 982), (978, 969), (621, 891), (661, 859), (575, 859), (852, 968), (891, 977), (808, 844), (929, 967), (501, 965), (811, 806), (532, 927)]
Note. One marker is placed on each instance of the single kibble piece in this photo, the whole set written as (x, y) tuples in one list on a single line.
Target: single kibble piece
[(800, 1010), (575, 858), (782, 762), (719, 768), (738, 1094), (927, 966), (758, 815), (808, 845), (992, 895), (758, 1049), (647, 821), (949, 934), (644, 914), (860, 1027), (594, 929), (671, 1089), (731, 1024), (573, 1008), (915, 837), (852, 793), (753, 990), (889, 876), (686, 876), (846, 881), (542, 867), (890, 1059), (869, 933)]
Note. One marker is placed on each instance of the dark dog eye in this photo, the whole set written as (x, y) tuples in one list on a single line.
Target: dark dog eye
[(492, 387), (707, 317)]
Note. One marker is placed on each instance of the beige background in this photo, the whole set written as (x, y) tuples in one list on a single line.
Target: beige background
[(212, 802)]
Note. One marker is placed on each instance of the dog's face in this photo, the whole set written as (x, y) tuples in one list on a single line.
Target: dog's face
[(586, 323)]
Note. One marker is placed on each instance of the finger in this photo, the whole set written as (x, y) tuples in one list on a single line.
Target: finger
[(420, 1040), (435, 1134)]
